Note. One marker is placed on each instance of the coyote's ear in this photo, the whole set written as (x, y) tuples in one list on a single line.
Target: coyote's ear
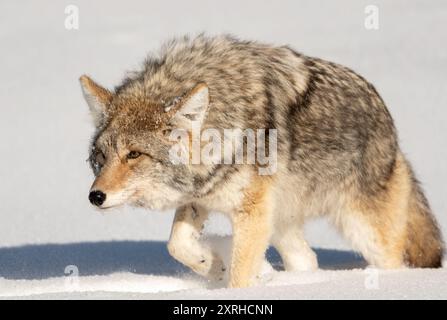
[(192, 109), (97, 99)]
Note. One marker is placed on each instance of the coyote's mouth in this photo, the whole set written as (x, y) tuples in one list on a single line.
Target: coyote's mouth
[(153, 204)]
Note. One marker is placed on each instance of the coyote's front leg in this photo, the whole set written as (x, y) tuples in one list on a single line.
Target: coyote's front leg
[(184, 244), (251, 234)]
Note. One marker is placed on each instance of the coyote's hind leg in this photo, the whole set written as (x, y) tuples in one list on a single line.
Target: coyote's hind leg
[(295, 253)]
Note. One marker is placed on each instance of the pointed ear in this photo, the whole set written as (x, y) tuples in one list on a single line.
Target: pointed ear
[(192, 108), (97, 99)]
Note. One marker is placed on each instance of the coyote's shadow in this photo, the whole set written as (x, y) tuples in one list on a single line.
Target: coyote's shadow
[(140, 257)]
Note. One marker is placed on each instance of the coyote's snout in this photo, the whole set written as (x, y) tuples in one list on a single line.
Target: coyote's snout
[(97, 197), (335, 149)]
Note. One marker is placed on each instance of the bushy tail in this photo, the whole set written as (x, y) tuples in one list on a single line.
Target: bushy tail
[(424, 247)]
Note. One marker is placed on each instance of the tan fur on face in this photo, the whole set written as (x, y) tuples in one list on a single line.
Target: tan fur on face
[(113, 178), (137, 114)]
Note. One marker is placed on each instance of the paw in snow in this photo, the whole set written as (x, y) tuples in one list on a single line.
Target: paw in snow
[(222, 245)]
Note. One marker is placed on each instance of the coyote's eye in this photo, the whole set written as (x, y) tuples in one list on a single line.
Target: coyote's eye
[(100, 158), (133, 155), (97, 160)]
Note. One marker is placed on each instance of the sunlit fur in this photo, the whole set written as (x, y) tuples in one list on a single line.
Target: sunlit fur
[(338, 156)]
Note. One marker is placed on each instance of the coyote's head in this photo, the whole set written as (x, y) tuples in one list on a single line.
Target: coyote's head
[(130, 152)]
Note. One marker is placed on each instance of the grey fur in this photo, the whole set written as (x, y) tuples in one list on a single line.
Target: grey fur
[(334, 130)]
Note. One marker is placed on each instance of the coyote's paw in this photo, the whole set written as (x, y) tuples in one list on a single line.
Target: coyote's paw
[(216, 269)]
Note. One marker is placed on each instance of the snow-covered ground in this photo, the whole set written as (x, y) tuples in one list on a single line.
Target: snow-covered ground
[(144, 270), (46, 222)]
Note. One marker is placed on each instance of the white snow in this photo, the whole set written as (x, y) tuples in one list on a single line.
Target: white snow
[(343, 276), (46, 222)]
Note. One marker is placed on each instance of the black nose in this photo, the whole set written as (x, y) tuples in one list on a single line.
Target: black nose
[(97, 197)]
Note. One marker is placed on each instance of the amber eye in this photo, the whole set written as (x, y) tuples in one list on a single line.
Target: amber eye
[(97, 161), (133, 155), (100, 158)]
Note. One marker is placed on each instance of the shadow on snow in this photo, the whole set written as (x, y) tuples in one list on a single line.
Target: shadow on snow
[(140, 257)]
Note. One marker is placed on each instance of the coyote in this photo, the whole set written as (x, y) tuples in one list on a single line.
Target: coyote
[(337, 156)]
